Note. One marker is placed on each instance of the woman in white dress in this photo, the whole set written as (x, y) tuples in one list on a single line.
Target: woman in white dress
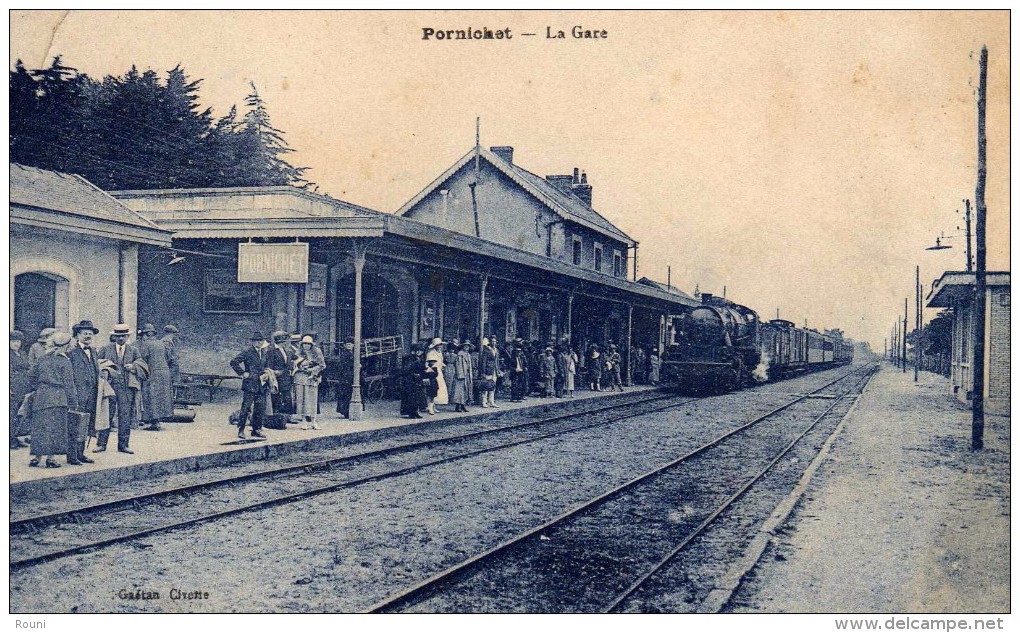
[(435, 354), (307, 369)]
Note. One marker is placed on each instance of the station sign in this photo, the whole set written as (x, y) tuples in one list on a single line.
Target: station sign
[(272, 263)]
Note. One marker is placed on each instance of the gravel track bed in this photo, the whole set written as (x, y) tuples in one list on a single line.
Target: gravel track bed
[(574, 567), (683, 584), (344, 551)]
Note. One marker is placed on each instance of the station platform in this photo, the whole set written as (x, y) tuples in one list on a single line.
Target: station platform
[(900, 517), (211, 441)]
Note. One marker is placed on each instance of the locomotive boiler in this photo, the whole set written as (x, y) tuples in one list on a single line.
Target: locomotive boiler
[(715, 347)]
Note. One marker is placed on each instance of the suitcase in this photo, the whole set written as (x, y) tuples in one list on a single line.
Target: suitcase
[(78, 425)]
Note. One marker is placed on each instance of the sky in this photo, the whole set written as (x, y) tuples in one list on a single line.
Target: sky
[(803, 160)]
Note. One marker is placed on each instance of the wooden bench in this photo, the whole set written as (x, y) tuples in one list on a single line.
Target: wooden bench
[(210, 382)]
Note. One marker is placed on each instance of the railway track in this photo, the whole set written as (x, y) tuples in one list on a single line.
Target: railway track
[(51, 536), (602, 554)]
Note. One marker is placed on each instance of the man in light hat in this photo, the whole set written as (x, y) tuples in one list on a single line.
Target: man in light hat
[(157, 390), (126, 379), (85, 369), (173, 358), (251, 366)]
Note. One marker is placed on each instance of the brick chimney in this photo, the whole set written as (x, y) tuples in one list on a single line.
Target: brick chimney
[(561, 182), (581, 188), (504, 152)]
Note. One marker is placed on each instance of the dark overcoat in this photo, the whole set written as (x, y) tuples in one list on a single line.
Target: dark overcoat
[(254, 363), (86, 383), (157, 390)]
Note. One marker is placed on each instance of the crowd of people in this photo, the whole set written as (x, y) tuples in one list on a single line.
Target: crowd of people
[(458, 374), (66, 390)]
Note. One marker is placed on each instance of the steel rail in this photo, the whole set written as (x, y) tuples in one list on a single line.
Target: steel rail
[(412, 593), (310, 492), (728, 502)]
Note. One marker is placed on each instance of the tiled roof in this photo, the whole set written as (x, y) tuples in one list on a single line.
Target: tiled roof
[(661, 286), (567, 206), (568, 203), (69, 193)]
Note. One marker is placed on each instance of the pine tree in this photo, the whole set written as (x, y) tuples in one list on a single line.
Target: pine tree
[(24, 104), (138, 132), (260, 148)]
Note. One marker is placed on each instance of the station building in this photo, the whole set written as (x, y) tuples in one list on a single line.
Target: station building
[(487, 249), (955, 291), (74, 253)]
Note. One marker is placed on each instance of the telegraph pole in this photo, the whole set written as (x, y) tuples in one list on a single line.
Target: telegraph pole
[(977, 433), (904, 366), (478, 171), (917, 320), (966, 223)]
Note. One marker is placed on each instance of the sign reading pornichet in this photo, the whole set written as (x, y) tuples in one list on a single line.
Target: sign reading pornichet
[(272, 263)]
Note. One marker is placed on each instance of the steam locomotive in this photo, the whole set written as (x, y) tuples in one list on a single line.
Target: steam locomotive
[(721, 345)]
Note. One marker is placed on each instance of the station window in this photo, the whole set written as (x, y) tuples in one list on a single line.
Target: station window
[(617, 264), (577, 250), (598, 257)]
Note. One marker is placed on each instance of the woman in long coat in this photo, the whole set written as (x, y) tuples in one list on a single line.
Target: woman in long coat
[(463, 378), (157, 390), (19, 387), (595, 363), (53, 381), (307, 369), (488, 371), (569, 370), (435, 354), (410, 382), (655, 365)]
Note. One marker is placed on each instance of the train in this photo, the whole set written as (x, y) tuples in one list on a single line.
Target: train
[(721, 345)]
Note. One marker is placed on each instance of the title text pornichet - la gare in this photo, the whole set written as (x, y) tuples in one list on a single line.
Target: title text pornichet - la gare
[(471, 33)]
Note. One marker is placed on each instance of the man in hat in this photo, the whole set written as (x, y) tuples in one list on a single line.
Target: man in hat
[(173, 358), (85, 369), (345, 379), (518, 367), (157, 390), (126, 379), (39, 347), (251, 366), (280, 363)]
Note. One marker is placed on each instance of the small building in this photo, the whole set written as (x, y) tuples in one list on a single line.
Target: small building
[(74, 253), (955, 291)]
